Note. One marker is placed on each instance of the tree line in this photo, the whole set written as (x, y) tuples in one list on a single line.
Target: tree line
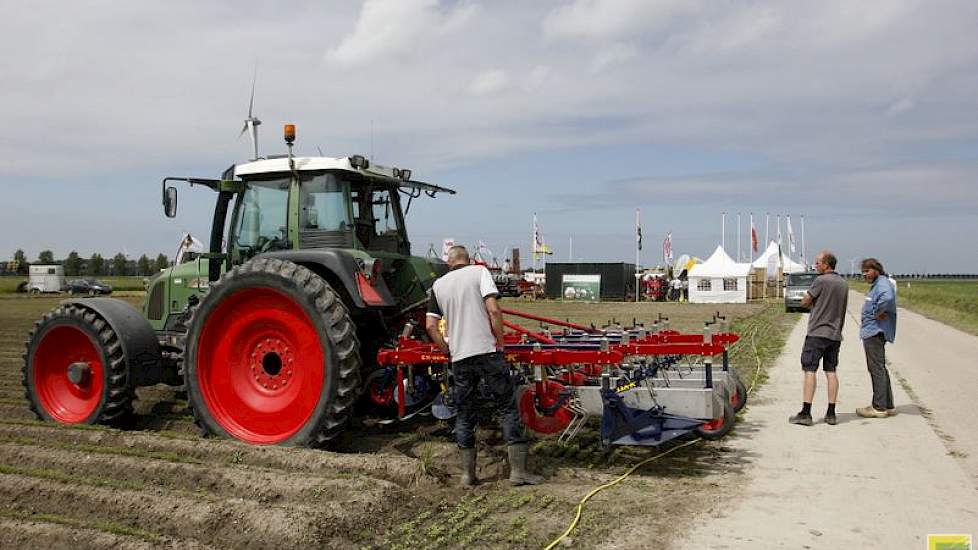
[(94, 266)]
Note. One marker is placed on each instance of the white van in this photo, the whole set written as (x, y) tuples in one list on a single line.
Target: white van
[(46, 278)]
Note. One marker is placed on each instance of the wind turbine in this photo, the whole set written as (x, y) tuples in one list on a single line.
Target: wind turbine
[(251, 123)]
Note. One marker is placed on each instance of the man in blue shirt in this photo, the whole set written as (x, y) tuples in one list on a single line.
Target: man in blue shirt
[(879, 317)]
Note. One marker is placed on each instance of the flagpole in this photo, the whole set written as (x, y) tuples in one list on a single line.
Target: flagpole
[(804, 257), (533, 245), (767, 229), (739, 255), (750, 247), (638, 248)]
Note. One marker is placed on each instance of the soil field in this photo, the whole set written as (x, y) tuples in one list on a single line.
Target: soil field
[(953, 303), (379, 486)]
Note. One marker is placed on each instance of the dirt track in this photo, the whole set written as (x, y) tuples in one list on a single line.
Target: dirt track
[(161, 484)]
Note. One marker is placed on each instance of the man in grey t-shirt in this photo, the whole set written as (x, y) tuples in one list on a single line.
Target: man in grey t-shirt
[(827, 299), (466, 298)]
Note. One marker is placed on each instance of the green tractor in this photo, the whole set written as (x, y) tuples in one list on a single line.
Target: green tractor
[(274, 330)]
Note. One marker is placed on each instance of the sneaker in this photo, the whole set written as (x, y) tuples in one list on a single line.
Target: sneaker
[(802, 419), (830, 419), (870, 412), (891, 412)]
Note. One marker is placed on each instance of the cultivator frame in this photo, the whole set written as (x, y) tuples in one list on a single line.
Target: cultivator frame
[(647, 384)]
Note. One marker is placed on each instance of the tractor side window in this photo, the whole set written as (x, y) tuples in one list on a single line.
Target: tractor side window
[(385, 222), (322, 204), (262, 221)]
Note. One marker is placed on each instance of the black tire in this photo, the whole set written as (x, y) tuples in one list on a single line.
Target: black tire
[(741, 390), (337, 339), (729, 417), (114, 401)]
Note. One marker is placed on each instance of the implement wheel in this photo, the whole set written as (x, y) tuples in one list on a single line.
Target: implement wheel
[(719, 427), (738, 399), (529, 403), (272, 357), (75, 370)]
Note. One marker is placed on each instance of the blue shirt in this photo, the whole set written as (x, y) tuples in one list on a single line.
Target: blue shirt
[(881, 297)]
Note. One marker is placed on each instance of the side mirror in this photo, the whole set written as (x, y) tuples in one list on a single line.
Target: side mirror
[(170, 202)]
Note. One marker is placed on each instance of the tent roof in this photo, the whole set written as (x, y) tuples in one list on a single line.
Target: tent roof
[(720, 264), (788, 265)]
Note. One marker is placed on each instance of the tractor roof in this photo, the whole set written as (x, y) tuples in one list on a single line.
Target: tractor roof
[(348, 164)]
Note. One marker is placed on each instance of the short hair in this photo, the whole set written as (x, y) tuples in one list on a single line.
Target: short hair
[(458, 254), (872, 263), (829, 258)]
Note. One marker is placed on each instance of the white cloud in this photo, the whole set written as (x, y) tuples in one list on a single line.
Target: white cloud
[(614, 54), (393, 27), (900, 106), (489, 82), (612, 18)]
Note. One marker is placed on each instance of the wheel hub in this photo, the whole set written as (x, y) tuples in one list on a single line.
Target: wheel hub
[(272, 364), (79, 373)]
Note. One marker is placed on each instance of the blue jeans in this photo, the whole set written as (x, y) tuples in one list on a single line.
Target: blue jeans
[(493, 370)]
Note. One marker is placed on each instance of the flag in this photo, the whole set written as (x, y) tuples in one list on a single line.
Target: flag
[(753, 235), (667, 249), (638, 230), (539, 248), (791, 237)]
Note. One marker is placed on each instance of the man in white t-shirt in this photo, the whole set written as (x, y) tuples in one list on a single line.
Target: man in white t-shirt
[(466, 298)]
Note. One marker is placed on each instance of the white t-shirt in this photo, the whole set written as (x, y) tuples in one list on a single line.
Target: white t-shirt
[(458, 297)]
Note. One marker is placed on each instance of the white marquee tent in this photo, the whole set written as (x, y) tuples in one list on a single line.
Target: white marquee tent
[(719, 280), (769, 261)]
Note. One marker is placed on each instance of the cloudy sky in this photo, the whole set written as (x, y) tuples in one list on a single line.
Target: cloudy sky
[(861, 116)]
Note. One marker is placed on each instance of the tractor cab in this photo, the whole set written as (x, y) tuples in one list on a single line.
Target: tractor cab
[(325, 203), (341, 217)]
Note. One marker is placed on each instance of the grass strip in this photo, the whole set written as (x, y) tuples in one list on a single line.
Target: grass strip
[(954, 303)]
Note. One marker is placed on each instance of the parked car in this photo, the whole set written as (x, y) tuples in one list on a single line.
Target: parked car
[(796, 284), (88, 286)]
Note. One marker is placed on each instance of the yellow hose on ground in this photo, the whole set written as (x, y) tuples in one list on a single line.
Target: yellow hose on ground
[(630, 471)]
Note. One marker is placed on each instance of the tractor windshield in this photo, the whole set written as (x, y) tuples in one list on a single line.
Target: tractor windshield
[(262, 220)]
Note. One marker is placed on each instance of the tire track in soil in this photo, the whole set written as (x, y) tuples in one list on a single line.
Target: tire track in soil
[(40, 533), (262, 485)]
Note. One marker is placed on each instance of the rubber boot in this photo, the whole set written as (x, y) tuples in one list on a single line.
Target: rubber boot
[(467, 461), (518, 474)]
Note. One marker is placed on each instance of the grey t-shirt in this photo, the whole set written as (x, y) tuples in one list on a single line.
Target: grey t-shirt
[(829, 293), (458, 297)]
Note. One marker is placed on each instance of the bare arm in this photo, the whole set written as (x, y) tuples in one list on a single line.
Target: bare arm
[(806, 301), (495, 320), (431, 325)]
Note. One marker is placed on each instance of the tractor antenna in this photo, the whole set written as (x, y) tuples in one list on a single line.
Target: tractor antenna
[(251, 123)]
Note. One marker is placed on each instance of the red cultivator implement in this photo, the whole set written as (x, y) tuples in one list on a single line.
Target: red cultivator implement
[(647, 385)]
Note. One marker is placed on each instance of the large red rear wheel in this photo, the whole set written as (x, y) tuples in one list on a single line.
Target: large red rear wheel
[(74, 369), (272, 357)]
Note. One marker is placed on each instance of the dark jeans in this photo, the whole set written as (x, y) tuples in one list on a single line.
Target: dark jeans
[(492, 369), (876, 363)]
